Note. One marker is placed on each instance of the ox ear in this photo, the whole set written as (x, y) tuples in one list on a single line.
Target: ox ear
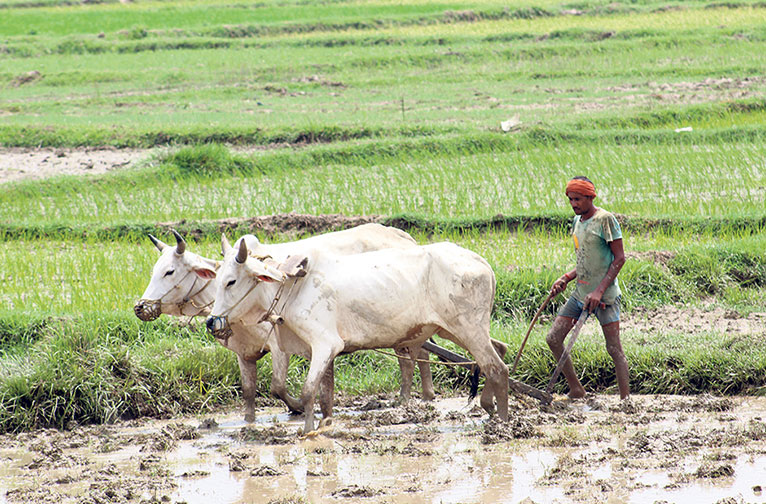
[(158, 243), (270, 278), (225, 245), (264, 272), (205, 272), (181, 243)]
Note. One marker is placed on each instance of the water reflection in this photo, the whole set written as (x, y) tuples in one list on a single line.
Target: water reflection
[(749, 477)]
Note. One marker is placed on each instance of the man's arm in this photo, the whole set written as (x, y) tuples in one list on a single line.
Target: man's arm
[(593, 300), (561, 284)]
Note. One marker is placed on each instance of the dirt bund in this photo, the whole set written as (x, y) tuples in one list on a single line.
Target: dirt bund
[(646, 449), (288, 224), (34, 164)]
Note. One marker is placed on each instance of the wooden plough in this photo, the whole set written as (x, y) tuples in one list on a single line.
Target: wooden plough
[(522, 388)]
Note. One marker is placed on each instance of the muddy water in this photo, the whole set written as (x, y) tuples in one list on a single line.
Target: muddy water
[(650, 449)]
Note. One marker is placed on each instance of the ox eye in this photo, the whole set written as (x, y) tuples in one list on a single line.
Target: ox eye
[(231, 282), (168, 273)]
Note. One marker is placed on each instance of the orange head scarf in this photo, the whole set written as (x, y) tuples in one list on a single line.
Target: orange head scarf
[(580, 186)]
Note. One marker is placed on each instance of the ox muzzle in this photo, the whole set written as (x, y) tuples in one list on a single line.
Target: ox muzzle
[(219, 327), (148, 309)]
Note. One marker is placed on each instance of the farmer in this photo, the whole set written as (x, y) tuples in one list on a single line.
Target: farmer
[(600, 256)]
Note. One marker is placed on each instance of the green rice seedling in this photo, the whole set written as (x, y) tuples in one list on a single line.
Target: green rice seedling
[(656, 181), (52, 278), (367, 373)]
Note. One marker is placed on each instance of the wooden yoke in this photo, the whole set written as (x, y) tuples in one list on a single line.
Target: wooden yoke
[(293, 267)]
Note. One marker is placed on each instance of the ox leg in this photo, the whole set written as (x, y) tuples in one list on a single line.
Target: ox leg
[(326, 394), (426, 380), (322, 356), (248, 372), (407, 369), (494, 369), (280, 362), (500, 347)]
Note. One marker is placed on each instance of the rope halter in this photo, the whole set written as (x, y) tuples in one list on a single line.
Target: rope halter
[(150, 309), (219, 326)]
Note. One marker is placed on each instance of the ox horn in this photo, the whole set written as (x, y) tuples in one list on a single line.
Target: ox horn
[(181, 243), (157, 242), (242, 254), (225, 245)]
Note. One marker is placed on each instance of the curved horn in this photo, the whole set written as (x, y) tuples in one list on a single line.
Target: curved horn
[(225, 245), (242, 254), (181, 243), (158, 243)]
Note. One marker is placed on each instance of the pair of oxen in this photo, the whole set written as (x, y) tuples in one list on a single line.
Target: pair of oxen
[(367, 287)]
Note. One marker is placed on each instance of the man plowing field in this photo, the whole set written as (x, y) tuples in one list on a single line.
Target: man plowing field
[(598, 246)]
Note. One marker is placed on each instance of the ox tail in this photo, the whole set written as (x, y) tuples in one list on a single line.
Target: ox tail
[(474, 383)]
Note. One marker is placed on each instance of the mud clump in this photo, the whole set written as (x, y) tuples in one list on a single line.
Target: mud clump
[(167, 438), (627, 406), (410, 413), (208, 423), (276, 435), (496, 430), (714, 471), (26, 78), (356, 491), (705, 402), (265, 471)]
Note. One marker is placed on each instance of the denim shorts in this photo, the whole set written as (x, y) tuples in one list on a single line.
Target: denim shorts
[(573, 308)]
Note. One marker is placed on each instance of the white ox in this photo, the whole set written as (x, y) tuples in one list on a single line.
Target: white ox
[(390, 298), (176, 290)]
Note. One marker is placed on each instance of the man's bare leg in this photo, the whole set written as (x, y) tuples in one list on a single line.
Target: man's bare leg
[(614, 348), (555, 339)]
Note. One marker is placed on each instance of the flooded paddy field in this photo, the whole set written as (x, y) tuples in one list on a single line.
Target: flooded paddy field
[(646, 449)]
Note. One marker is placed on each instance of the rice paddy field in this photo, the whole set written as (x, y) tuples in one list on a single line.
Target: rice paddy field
[(457, 121)]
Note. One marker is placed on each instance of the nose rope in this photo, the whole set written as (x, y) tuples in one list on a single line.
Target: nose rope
[(156, 304), (223, 320), (222, 330), (189, 298)]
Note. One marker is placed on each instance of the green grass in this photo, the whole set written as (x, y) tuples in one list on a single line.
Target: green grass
[(672, 363), (106, 367)]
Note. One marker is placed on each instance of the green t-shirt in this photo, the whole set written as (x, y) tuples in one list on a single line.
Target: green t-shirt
[(594, 256)]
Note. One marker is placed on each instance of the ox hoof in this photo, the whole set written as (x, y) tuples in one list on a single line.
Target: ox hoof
[(325, 422), (249, 417)]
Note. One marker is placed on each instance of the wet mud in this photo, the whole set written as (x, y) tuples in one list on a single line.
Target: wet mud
[(646, 449)]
